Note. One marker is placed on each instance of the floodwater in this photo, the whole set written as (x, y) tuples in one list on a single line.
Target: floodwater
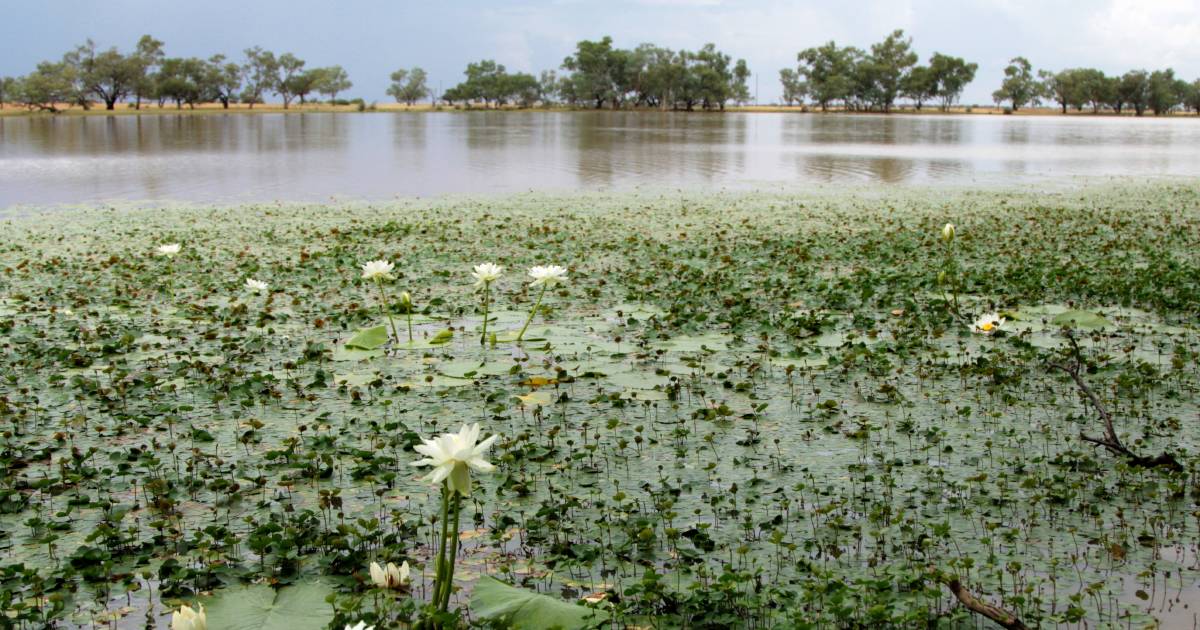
[(298, 157)]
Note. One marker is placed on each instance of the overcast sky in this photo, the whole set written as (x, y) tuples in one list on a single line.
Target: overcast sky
[(370, 38)]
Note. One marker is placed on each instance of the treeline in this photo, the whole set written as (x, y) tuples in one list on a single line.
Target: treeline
[(599, 75), (873, 80), (86, 75), (1138, 90)]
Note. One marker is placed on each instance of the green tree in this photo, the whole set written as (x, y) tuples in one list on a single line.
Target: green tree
[(182, 81), (1063, 86), (794, 88), (289, 78), (260, 72), (595, 68), (1134, 90), (146, 59), (1019, 87), (829, 72), (950, 76), (1165, 91), (919, 85), (409, 86), (107, 74), (49, 85), (1193, 96), (890, 61), (1095, 88), (221, 80), (333, 80), (8, 90)]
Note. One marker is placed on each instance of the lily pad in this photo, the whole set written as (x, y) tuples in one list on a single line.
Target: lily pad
[(526, 610), (1080, 319), (260, 607), (368, 338)]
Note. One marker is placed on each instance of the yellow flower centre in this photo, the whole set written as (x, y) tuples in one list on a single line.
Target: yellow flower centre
[(987, 327)]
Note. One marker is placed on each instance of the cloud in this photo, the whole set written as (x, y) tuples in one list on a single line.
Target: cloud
[(1152, 34)]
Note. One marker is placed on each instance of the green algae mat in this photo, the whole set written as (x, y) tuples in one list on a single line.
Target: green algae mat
[(739, 410)]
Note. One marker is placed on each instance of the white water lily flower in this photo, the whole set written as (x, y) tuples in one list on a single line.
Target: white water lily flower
[(391, 576), (948, 232), (187, 619), (486, 273), (377, 270), (256, 286), (169, 250), (362, 625), (548, 276), (988, 324), (453, 456)]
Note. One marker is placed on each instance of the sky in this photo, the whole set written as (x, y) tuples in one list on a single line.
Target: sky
[(371, 38)]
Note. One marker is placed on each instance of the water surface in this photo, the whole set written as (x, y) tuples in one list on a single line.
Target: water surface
[(240, 157)]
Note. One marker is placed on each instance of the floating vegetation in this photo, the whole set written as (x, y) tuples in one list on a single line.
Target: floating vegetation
[(743, 410)]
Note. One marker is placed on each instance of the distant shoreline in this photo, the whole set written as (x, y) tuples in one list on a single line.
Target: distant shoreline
[(9, 110)]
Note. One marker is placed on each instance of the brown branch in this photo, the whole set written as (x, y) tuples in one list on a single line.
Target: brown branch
[(999, 615), (1110, 440)]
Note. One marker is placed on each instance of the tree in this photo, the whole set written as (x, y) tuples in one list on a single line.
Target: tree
[(794, 88), (548, 87), (950, 76), (891, 60), (8, 90), (220, 80), (1019, 86), (47, 86), (594, 67), (829, 72), (260, 72), (1095, 88), (1134, 90), (108, 74), (1164, 92), (1193, 96), (285, 82), (182, 81), (408, 86), (146, 59), (333, 79), (919, 85), (1063, 86)]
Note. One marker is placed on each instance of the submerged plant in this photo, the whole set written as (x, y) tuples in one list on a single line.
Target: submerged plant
[(485, 274), (380, 270), (544, 277), (453, 456)]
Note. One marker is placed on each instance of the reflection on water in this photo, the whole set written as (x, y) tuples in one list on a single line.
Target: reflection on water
[(318, 156)]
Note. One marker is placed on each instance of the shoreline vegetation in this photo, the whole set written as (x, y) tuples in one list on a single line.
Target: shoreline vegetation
[(882, 78), (209, 109), (821, 409)]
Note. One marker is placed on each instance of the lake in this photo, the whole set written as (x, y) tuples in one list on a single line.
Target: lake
[(295, 157)]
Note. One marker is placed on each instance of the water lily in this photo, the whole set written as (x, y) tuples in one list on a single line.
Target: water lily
[(485, 274), (550, 275), (362, 625), (988, 324), (390, 576), (187, 619), (407, 304), (544, 277), (169, 250), (256, 286), (453, 456), (377, 270), (948, 232), (380, 270)]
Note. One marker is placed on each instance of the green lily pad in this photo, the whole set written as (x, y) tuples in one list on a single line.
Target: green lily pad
[(1080, 319), (526, 610), (368, 338), (260, 607)]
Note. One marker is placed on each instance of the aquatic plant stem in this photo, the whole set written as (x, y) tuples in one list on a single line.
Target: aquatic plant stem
[(440, 561), (452, 540), (383, 309), (409, 311), (487, 294), (533, 311)]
